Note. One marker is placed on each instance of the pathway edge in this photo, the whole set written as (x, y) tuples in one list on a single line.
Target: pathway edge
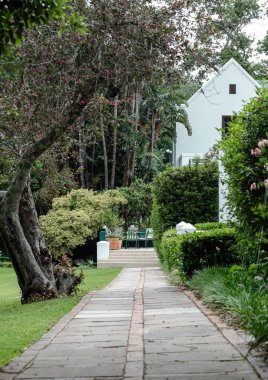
[(16, 365), (237, 338)]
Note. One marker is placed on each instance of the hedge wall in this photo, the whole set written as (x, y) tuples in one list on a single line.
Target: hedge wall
[(210, 226), (188, 193), (190, 252)]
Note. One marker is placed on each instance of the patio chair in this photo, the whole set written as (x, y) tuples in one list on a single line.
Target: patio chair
[(142, 238), (149, 236), (131, 238)]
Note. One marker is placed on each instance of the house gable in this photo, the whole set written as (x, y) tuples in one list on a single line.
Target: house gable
[(211, 107), (221, 72)]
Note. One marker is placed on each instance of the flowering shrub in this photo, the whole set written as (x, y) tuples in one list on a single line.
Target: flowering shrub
[(246, 163)]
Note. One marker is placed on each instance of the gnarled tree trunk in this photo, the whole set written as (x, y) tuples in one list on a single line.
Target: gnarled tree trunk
[(19, 226)]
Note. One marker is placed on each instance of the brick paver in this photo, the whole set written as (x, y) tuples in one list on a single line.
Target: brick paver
[(140, 327)]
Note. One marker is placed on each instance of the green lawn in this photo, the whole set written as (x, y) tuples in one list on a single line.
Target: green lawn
[(21, 325)]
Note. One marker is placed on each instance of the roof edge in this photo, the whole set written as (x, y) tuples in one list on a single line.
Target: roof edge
[(220, 71)]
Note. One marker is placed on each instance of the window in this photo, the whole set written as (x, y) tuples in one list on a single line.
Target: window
[(232, 88), (224, 124)]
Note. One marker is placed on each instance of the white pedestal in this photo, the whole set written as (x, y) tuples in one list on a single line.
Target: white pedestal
[(103, 249)]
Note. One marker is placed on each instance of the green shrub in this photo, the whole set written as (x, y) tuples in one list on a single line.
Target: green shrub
[(170, 250), (190, 252), (208, 248), (157, 226), (245, 161), (239, 292), (77, 216), (210, 226), (188, 193)]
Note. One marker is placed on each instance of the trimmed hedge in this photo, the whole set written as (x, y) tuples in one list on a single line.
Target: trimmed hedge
[(210, 226), (190, 252), (188, 193), (170, 250)]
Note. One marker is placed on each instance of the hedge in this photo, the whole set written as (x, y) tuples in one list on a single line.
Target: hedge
[(190, 252), (188, 193), (210, 226)]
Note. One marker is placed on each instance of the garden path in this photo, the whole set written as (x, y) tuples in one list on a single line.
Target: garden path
[(139, 327)]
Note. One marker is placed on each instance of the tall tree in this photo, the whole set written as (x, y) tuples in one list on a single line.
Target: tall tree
[(56, 78)]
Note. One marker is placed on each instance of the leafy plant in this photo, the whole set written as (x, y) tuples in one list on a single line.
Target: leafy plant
[(239, 292), (78, 216), (245, 161)]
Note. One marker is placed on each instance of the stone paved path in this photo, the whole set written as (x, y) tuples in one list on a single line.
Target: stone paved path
[(138, 328)]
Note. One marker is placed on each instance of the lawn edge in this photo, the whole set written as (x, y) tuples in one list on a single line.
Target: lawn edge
[(17, 364)]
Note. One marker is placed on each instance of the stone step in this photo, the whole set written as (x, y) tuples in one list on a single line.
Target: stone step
[(129, 256), (131, 251), (114, 264), (132, 260)]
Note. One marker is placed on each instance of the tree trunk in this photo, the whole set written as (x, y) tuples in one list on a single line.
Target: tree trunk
[(19, 225), (150, 149), (114, 142), (106, 173), (137, 98), (81, 158), (93, 156), (87, 184), (126, 169)]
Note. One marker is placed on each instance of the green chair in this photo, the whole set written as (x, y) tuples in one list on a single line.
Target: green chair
[(149, 237), (142, 238), (131, 238)]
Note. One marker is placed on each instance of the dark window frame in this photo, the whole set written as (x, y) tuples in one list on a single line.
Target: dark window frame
[(232, 88), (225, 120)]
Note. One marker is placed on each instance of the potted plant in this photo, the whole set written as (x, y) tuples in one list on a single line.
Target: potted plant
[(120, 240), (113, 239)]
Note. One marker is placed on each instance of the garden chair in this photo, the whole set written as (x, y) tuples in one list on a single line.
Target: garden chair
[(141, 238), (131, 238), (149, 236)]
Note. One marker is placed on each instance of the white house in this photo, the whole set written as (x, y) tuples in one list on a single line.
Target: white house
[(209, 111)]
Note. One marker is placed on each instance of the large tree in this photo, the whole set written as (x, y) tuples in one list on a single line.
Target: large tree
[(55, 79)]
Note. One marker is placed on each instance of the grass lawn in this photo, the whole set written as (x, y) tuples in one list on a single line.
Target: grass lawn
[(21, 325)]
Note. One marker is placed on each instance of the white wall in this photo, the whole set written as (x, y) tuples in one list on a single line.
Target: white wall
[(205, 110)]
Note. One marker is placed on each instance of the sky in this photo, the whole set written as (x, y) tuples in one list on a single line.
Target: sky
[(257, 28)]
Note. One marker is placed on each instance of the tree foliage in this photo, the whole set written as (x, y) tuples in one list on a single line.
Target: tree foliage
[(93, 86), (18, 16), (137, 210)]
